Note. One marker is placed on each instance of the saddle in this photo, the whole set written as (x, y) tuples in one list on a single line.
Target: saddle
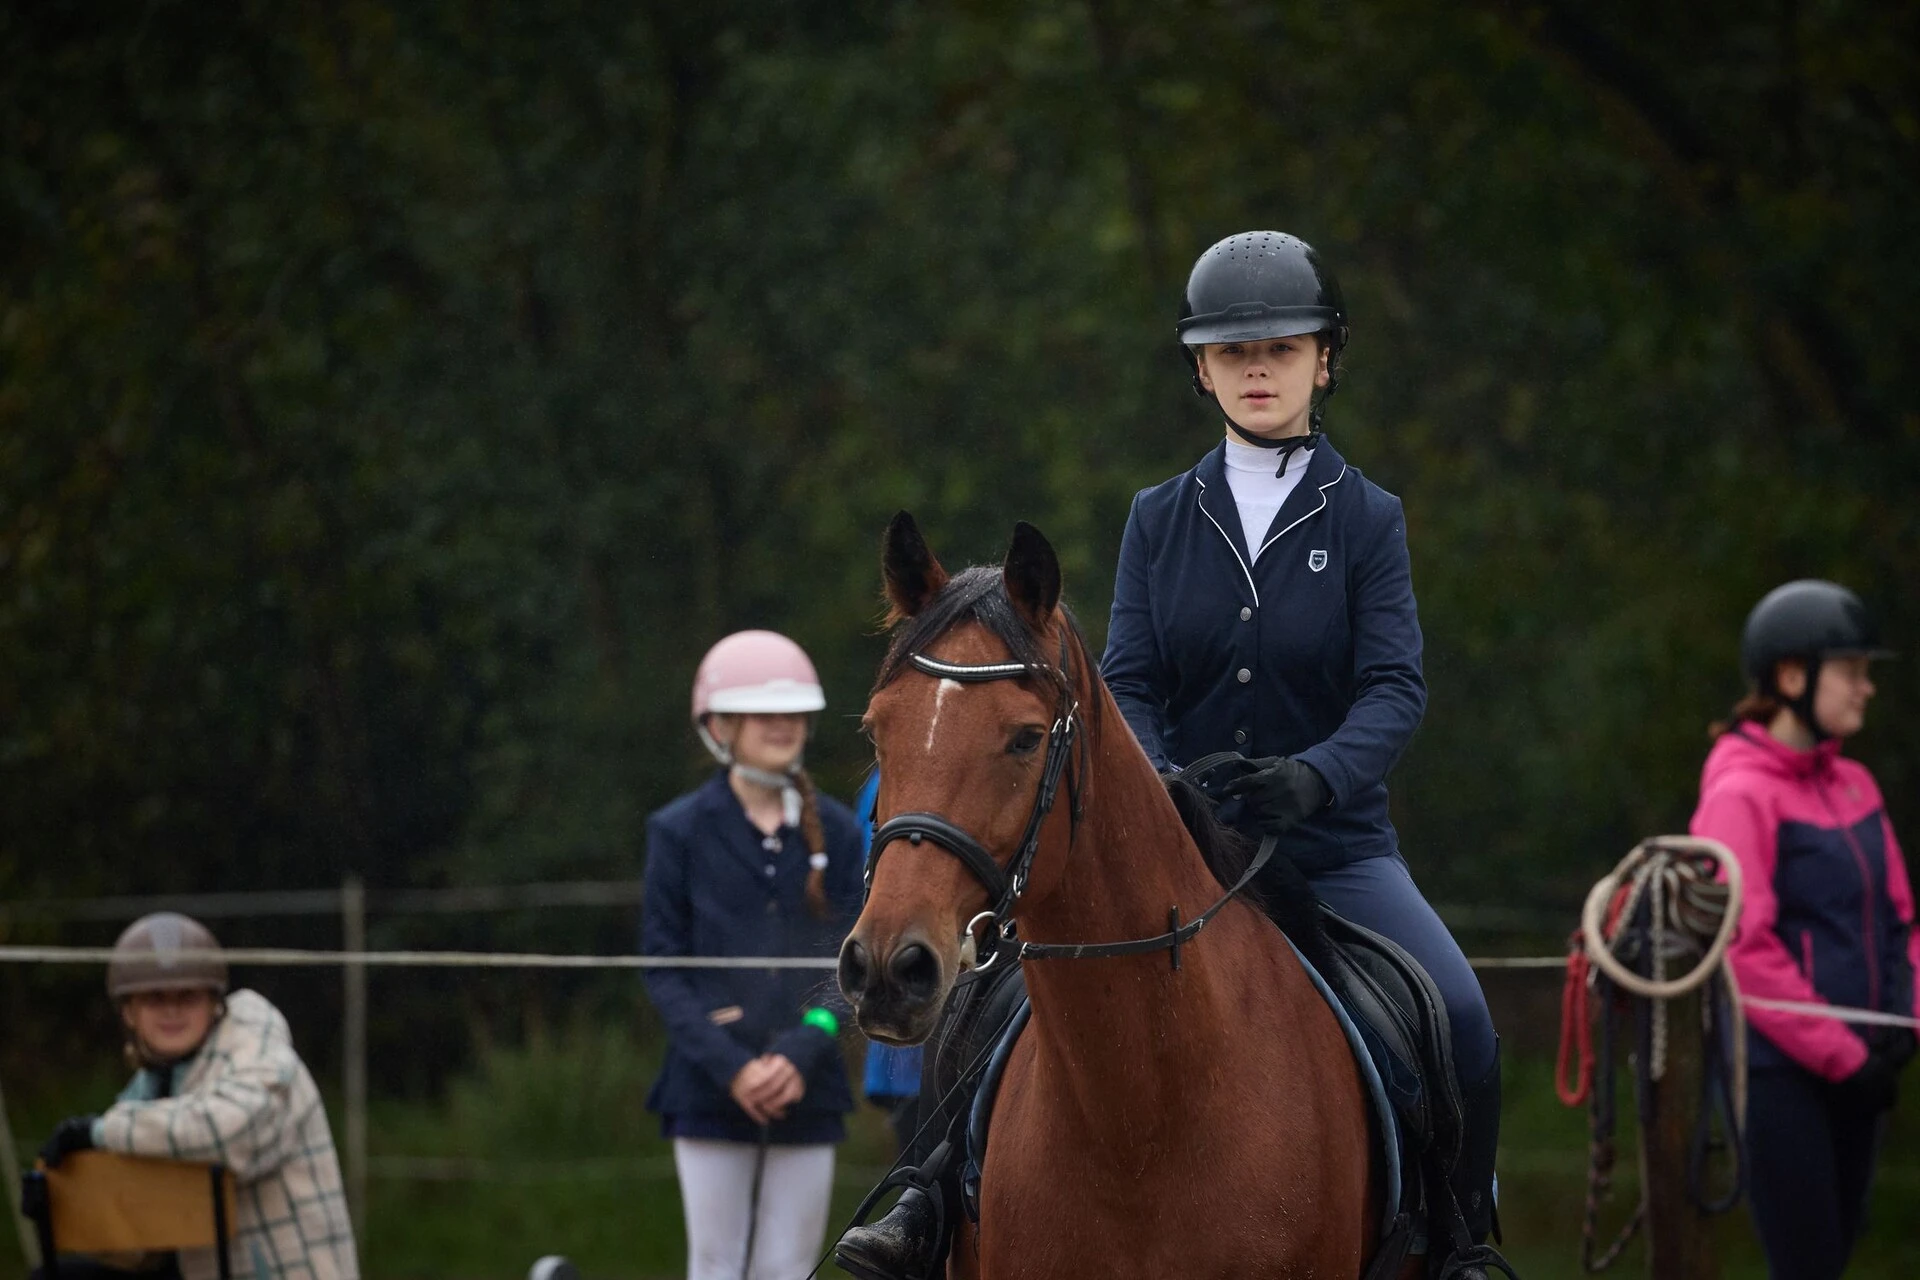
[(1402, 1021)]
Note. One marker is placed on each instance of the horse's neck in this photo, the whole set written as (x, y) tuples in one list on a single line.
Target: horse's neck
[(1132, 860)]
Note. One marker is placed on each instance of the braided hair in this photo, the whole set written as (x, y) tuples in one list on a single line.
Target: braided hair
[(815, 836)]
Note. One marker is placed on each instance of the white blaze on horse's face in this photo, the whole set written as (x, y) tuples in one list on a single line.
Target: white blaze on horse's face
[(939, 700)]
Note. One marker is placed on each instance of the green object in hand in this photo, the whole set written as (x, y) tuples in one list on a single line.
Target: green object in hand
[(823, 1019)]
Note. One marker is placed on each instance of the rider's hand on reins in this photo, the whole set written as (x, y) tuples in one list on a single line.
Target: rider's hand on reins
[(1279, 793)]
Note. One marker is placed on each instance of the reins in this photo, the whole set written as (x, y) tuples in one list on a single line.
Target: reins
[(1004, 887)]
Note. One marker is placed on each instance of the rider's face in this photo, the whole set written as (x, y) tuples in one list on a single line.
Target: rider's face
[(770, 742), (1840, 697), (1266, 387), (169, 1024)]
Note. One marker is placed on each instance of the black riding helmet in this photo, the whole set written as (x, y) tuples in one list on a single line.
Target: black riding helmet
[(1809, 620), (1262, 284)]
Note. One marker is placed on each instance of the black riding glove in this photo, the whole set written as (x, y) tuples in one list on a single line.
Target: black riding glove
[(1871, 1088), (1896, 1044), (1280, 793), (75, 1133)]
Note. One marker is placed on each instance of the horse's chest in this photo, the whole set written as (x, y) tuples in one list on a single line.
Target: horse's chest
[(1140, 1193)]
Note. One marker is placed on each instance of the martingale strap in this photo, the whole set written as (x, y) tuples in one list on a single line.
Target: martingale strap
[(1172, 939)]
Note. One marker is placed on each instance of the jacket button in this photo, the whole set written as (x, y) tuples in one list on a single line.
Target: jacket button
[(1245, 613), (1243, 675), (1239, 735)]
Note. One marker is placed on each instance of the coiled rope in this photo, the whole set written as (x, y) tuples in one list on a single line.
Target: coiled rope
[(1669, 895)]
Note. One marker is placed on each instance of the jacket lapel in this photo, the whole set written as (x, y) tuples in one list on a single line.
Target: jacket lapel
[(1325, 467), (1217, 508), (730, 821)]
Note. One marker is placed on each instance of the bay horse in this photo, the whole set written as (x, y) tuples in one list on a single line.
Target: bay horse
[(1199, 1119)]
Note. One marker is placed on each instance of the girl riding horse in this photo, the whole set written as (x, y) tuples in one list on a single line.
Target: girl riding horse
[(1204, 1118)]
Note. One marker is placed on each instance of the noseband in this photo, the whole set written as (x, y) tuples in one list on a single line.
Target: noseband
[(1005, 887)]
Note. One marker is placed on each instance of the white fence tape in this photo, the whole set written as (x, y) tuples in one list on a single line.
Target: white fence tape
[(284, 956)]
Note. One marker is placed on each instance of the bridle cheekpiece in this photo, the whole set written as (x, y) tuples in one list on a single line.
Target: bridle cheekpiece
[(1003, 887)]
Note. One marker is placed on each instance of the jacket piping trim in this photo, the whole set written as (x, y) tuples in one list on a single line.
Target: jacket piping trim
[(1308, 516), (1199, 502)]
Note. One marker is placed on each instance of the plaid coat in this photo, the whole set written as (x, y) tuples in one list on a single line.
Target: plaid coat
[(247, 1101)]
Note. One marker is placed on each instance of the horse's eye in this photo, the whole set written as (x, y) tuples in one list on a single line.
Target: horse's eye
[(1027, 741)]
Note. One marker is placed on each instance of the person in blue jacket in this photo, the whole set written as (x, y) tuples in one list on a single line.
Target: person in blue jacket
[(753, 1091), (893, 1073), (1263, 604)]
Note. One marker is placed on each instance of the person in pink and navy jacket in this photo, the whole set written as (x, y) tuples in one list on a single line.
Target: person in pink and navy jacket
[(1828, 919)]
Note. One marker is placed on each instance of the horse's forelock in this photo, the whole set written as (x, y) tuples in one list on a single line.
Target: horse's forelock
[(977, 594)]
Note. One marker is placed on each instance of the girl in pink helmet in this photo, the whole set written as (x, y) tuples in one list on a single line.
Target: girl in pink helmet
[(754, 862)]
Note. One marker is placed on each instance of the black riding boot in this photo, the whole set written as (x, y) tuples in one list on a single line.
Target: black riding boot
[(1472, 1180), (1479, 1141), (904, 1245)]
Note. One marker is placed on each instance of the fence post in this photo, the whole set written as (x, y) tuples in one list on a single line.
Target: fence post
[(353, 936), (1680, 1243), (10, 1170)]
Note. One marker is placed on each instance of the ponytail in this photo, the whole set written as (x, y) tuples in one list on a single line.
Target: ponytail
[(815, 836), (1755, 705)]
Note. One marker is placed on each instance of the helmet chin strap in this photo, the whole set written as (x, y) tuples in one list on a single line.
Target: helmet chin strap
[(1802, 706), (781, 782), (1287, 445)]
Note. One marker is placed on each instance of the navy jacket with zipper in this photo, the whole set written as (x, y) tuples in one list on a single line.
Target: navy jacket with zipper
[(1310, 651), (714, 889)]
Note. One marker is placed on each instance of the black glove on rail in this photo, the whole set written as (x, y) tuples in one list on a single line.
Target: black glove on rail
[(75, 1133), (1280, 793)]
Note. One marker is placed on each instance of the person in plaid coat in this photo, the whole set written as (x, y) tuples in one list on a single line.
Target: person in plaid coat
[(217, 1081)]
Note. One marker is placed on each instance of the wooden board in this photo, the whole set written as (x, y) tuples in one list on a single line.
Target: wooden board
[(104, 1202)]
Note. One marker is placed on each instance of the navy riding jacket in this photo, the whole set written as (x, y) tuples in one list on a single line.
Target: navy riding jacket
[(1311, 651), (714, 887)]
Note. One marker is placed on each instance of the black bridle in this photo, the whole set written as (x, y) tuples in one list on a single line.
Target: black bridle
[(1004, 887)]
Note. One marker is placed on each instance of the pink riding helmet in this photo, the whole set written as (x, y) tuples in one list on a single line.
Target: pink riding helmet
[(753, 672)]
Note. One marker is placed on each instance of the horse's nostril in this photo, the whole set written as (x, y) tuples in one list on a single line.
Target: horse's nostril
[(914, 971), (854, 969)]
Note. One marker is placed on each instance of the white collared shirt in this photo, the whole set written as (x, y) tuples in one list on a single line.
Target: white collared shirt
[(1257, 492)]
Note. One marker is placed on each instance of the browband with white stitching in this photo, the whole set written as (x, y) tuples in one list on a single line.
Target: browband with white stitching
[(965, 672)]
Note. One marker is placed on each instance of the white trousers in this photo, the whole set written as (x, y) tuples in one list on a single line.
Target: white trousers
[(716, 1189)]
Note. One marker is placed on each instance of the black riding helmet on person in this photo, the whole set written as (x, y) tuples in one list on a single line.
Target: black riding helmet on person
[(1263, 328), (1808, 621), (1258, 286)]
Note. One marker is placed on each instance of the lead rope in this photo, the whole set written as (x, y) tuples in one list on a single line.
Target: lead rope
[(1673, 879)]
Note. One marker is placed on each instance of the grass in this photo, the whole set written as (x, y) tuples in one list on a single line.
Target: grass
[(546, 1148)]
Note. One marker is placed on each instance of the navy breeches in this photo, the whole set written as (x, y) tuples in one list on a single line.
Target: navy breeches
[(1810, 1164), (1380, 894)]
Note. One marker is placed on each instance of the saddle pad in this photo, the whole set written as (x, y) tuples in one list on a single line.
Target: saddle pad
[(983, 1099)]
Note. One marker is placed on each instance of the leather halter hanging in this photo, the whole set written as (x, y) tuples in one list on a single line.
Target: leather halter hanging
[(1004, 887)]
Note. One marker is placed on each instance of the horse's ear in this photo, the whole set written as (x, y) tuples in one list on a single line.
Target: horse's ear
[(1032, 573), (913, 576)]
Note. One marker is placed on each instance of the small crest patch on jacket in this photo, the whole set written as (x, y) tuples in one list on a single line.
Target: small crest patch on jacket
[(1316, 560)]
